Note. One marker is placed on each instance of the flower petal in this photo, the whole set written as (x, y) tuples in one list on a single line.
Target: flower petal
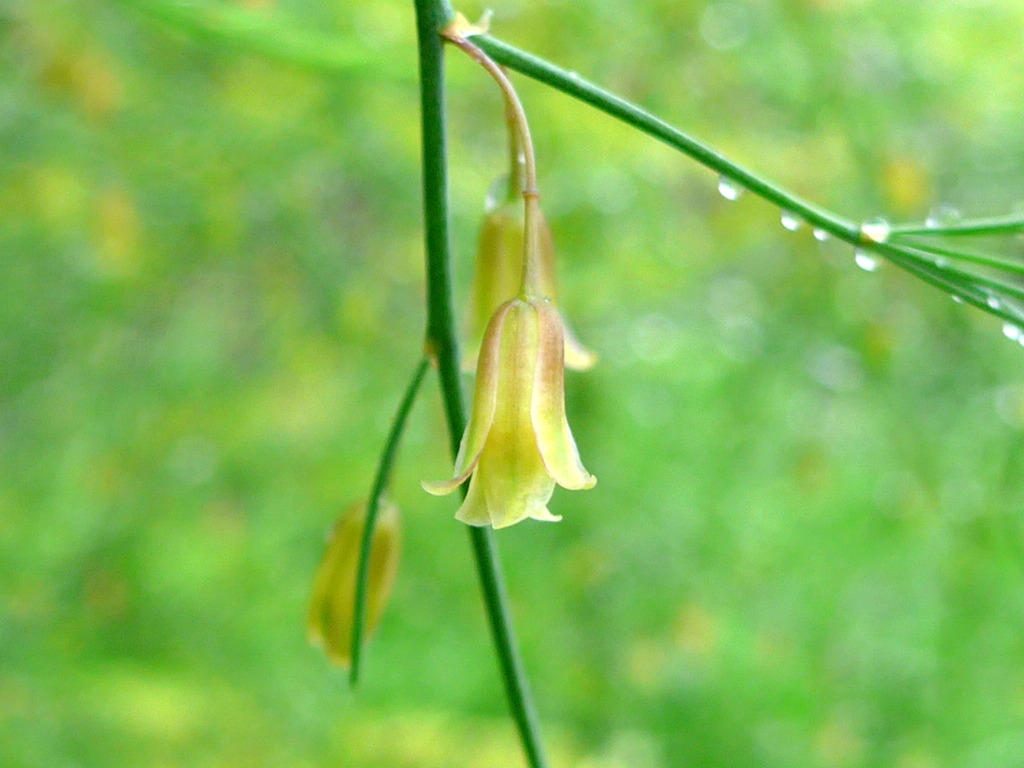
[(554, 438), (544, 514), (577, 357), (444, 487), (474, 507), (528, 498), (484, 395)]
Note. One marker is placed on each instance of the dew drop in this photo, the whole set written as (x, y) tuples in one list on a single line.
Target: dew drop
[(876, 230), (958, 299), (865, 260), (941, 262), (821, 235), (942, 216), (728, 189), (791, 221), (993, 302), (1011, 331)]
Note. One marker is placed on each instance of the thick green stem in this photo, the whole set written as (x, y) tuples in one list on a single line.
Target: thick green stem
[(431, 17)]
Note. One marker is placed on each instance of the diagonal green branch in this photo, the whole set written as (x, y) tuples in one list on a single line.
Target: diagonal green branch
[(996, 225), (573, 85), (970, 257), (266, 36), (975, 290), (380, 482), (996, 297)]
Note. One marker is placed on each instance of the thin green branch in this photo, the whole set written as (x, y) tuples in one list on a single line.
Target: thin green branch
[(929, 273), (996, 225), (964, 285), (431, 17), (573, 85), (380, 482), (971, 257), (985, 294)]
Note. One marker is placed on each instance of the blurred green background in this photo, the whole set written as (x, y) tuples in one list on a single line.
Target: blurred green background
[(806, 545)]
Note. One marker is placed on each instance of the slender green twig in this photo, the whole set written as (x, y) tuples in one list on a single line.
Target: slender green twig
[(996, 225), (531, 280), (970, 257), (984, 293), (513, 106), (380, 482), (431, 17), (919, 263), (573, 85)]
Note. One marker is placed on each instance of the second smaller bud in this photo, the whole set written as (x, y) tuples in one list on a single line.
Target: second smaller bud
[(498, 275)]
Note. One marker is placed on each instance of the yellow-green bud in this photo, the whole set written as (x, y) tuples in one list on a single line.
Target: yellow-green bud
[(332, 605), (498, 277)]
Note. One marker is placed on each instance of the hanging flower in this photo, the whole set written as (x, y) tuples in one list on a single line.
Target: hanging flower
[(332, 606), (499, 272), (518, 444)]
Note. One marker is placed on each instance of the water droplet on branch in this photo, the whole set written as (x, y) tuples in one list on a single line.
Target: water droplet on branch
[(876, 230), (791, 221), (942, 216), (865, 260), (729, 189)]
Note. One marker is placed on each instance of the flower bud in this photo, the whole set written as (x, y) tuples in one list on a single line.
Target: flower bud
[(499, 272), (332, 605)]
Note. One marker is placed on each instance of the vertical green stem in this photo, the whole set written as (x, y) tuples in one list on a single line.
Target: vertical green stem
[(431, 17)]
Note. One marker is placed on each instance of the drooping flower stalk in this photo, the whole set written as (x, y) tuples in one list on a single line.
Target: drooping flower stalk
[(516, 151), (511, 232), (516, 116)]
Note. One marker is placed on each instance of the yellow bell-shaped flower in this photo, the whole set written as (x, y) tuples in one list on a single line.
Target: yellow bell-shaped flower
[(332, 605), (518, 444)]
